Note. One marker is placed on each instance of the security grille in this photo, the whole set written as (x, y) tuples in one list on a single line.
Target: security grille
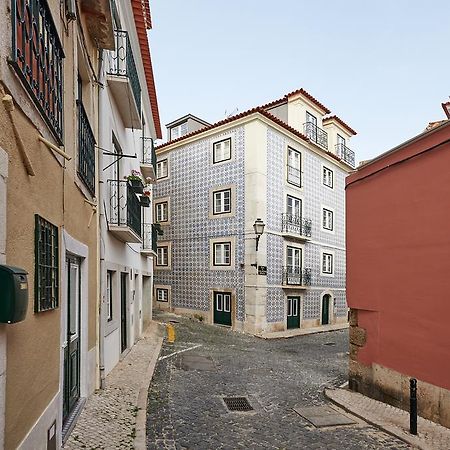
[(237, 404)]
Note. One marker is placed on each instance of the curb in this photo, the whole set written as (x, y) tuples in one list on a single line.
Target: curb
[(302, 332), (139, 442), (393, 431)]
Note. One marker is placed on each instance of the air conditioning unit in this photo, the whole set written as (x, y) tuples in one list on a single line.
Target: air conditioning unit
[(71, 10)]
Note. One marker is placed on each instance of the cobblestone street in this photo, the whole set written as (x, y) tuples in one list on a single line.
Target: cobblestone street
[(186, 407)]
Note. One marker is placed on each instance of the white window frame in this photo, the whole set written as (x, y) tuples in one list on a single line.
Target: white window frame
[(166, 260), (327, 225), (218, 145), (162, 211), (160, 173), (222, 264), (181, 130), (327, 265), (109, 295), (327, 177), (291, 179), (221, 249), (165, 297), (221, 194)]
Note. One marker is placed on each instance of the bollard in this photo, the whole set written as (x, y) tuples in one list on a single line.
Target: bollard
[(170, 333), (413, 406)]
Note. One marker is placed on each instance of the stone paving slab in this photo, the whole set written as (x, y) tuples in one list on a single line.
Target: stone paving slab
[(302, 331), (395, 421), (323, 416), (114, 417)]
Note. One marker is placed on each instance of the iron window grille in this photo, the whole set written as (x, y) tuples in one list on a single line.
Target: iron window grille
[(86, 149), (37, 56), (46, 265), (148, 152), (291, 223), (346, 154), (295, 275), (124, 206), (316, 134), (121, 63)]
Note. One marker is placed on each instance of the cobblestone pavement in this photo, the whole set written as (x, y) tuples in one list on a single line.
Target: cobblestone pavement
[(186, 410), (108, 420), (431, 436)]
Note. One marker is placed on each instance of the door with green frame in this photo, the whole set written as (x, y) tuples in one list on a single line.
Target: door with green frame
[(293, 312), (222, 308)]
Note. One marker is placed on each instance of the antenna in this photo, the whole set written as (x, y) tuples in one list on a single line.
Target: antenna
[(232, 113)]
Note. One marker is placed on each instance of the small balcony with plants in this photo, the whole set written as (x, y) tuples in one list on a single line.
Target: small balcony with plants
[(316, 134), (346, 154), (148, 162), (296, 227), (296, 277), (150, 233), (123, 80), (124, 212)]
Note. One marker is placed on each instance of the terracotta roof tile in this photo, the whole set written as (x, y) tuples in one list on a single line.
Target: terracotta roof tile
[(341, 122), (310, 98), (142, 19)]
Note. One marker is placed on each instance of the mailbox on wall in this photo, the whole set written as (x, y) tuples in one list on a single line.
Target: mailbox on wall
[(13, 294)]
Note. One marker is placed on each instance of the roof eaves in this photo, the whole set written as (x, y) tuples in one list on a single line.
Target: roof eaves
[(310, 98), (340, 122)]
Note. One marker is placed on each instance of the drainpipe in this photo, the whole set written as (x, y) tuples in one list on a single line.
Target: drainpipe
[(101, 233)]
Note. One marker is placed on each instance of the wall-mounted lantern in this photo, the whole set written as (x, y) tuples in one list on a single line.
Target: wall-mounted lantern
[(258, 226)]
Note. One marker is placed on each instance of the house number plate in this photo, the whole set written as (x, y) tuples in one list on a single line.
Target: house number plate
[(262, 270)]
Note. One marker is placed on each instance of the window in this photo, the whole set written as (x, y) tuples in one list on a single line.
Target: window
[(178, 131), (162, 169), (222, 254), (222, 201), (37, 56), (294, 167), (327, 177), (294, 208), (222, 150), (162, 295), (162, 255), (162, 212), (327, 219), (327, 263), (46, 265), (109, 295)]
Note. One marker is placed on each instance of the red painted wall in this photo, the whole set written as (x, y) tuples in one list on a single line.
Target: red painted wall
[(398, 258)]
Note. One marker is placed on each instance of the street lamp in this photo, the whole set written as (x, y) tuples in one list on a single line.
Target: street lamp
[(258, 226)]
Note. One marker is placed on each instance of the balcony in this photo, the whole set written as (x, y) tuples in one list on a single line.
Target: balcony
[(296, 277), (316, 134), (149, 239), (123, 80), (148, 163), (296, 226), (124, 219), (346, 154), (86, 150)]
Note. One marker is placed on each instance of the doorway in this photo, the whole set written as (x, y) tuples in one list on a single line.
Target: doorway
[(71, 344), (222, 308), (123, 311), (326, 300), (293, 312)]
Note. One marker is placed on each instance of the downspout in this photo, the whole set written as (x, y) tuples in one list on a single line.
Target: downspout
[(101, 232)]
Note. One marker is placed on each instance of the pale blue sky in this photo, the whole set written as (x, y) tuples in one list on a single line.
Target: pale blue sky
[(381, 66)]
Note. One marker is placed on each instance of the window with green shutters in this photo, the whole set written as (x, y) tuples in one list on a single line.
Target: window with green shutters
[(46, 265)]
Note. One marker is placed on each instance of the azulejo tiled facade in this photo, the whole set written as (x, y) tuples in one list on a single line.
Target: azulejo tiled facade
[(304, 282)]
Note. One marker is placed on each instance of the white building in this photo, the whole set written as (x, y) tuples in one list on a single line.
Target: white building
[(129, 122), (285, 163)]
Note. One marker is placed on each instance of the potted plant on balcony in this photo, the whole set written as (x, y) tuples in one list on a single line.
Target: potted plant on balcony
[(145, 198), (135, 182)]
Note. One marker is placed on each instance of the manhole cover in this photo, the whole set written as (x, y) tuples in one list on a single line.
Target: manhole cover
[(323, 416), (330, 343), (237, 404)]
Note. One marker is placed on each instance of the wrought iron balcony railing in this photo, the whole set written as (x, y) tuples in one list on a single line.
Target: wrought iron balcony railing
[(86, 149), (296, 224), (346, 154), (148, 152), (121, 63), (149, 237), (124, 206), (294, 175), (37, 56), (296, 276), (316, 134)]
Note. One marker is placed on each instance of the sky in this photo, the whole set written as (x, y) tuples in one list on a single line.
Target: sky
[(382, 66)]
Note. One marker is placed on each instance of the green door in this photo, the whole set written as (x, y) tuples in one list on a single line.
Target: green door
[(293, 312), (123, 312), (72, 337), (222, 308), (326, 309)]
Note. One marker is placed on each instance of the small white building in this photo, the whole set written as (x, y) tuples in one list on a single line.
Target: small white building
[(129, 122), (283, 163)]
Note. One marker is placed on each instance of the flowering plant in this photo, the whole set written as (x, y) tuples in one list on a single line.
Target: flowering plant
[(135, 175), (147, 192)]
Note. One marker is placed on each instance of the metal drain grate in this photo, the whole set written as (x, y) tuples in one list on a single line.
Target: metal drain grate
[(330, 343), (237, 404)]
